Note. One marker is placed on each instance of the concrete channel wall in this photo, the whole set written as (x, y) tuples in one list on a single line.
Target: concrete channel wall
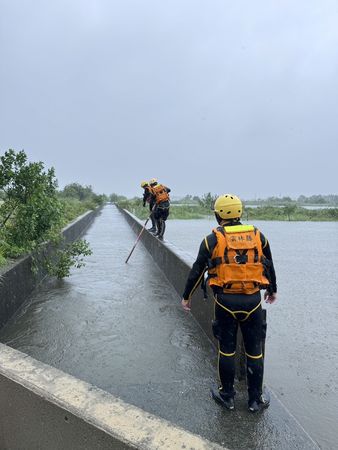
[(44, 408), (17, 281)]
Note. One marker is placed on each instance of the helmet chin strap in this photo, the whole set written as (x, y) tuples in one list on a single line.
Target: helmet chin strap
[(225, 221)]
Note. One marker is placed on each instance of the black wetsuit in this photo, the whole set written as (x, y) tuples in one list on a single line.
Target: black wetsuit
[(232, 310), (161, 213), (149, 198)]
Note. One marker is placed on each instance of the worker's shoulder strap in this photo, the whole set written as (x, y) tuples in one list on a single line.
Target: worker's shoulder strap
[(210, 242)]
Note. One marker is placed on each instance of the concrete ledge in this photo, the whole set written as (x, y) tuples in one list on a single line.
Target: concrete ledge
[(17, 280), (44, 408)]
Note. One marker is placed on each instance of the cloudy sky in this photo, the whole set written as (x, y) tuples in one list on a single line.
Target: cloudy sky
[(210, 95)]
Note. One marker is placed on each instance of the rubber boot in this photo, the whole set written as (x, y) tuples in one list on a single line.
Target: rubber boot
[(162, 230), (158, 228), (225, 400), (260, 402), (153, 225)]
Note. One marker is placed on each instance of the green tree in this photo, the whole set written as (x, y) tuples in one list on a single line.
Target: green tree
[(115, 198), (289, 210), (30, 208), (208, 200), (31, 212), (76, 190)]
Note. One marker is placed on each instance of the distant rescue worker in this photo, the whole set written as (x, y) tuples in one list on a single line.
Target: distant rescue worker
[(161, 197), (239, 264), (148, 198)]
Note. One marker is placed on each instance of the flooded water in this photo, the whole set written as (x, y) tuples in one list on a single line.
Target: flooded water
[(121, 327), (302, 341)]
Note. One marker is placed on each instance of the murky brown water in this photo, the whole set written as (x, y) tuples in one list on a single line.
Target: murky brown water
[(302, 342), (121, 328)]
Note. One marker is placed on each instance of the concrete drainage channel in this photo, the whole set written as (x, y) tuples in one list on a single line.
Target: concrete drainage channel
[(42, 407)]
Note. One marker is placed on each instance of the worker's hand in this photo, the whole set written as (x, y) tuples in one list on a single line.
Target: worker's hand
[(186, 304), (270, 297)]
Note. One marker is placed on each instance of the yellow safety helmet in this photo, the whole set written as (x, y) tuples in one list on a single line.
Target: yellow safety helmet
[(144, 184), (228, 206), (153, 181)]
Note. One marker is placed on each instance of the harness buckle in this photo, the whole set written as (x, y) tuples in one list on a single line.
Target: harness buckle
[(241, 259)]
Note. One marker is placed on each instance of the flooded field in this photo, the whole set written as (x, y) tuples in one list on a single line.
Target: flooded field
[(302, 351)]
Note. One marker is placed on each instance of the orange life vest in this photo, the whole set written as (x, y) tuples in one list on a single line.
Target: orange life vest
[(160, 193), (237, 263)]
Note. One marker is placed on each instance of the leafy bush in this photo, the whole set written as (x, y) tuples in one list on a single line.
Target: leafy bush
[(71, 256)]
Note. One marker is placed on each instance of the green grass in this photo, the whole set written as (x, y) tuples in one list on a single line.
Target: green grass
[(290, 214), (73, 208), (176, 211)]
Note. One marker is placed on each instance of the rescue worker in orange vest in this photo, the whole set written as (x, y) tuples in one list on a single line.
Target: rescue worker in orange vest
[(148, 198), (239, 264), (161, 197)]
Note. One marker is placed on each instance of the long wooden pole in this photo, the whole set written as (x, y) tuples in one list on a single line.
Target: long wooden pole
[(138, 238)]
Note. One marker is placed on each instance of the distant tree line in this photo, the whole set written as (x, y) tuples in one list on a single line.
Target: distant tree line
[(318, 199), (207, 200), (84, 194), (115, 198), (272, 208)]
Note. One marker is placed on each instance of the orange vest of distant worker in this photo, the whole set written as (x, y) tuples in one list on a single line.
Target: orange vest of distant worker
[(160, 193), (237, 263)]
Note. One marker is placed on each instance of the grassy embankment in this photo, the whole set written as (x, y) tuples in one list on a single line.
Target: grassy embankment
[(284, 213), (176, 211), (73, 208)]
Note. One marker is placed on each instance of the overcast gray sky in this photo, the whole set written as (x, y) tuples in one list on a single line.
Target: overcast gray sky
[(213, 95)]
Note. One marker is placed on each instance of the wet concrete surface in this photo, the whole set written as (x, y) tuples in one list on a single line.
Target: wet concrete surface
[(121, 328)]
